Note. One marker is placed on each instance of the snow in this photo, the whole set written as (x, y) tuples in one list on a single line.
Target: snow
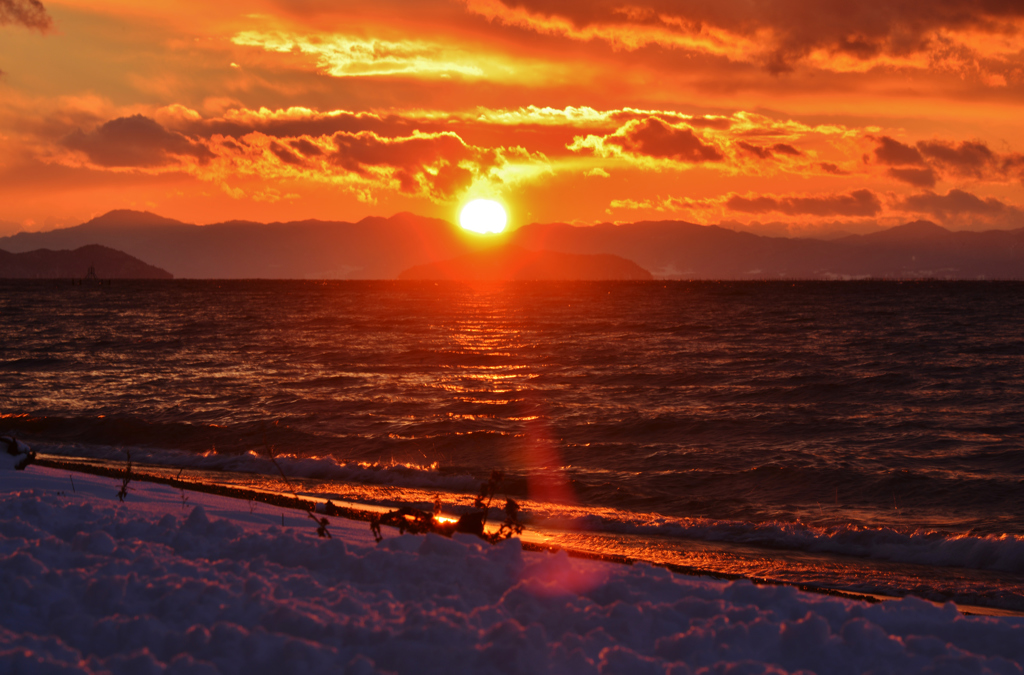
[(193, 583), (14, 455)]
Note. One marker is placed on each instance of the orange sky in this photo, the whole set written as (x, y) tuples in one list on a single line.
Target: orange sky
[(803, 117)]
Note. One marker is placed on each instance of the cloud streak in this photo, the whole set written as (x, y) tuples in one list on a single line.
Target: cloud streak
[(826, 34), (346, 56), (858, 203)]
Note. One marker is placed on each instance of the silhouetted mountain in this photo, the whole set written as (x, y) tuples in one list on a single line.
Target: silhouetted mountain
[(680, 250), (676, 249), (373, 248), (915, 232), (381, 248), (513, 263), (47, 264)]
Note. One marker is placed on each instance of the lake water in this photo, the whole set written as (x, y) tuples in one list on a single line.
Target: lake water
[(864, 436)]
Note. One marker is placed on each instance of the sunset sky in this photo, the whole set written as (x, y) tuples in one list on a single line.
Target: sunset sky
[(790, 117)]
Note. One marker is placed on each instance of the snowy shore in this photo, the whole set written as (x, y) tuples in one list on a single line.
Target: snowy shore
[(184, 582)]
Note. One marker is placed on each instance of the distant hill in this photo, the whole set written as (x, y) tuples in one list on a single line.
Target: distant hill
[(383, 248), (107, 263), (680, 250), (373, 248), (513, 263)]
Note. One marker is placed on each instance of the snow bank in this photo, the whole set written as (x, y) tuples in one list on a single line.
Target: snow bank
[(193, 583)]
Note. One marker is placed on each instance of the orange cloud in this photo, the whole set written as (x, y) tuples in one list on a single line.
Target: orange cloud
[(917, 177), (959, 209), (921, 164), (769, 152), (629, 27), (439, 164), (955, 203), (135, 141), (823, 34), (857, 203), (28, 13), (891, 151), (967, 158), (834, 169), (345, 56), (652, 138)]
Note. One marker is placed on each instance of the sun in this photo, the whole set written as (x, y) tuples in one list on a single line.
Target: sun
[(484, 216)]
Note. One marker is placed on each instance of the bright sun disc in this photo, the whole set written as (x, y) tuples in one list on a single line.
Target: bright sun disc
[(484, 216)]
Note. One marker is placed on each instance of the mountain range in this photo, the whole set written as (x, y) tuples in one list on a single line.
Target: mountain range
[(384, 248)]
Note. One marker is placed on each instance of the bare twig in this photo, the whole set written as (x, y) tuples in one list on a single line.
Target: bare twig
[(322, 523), (127, 478), (184, 497)]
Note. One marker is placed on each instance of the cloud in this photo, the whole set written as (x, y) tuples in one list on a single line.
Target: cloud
[(921, 163), (346, 56), (439, 166), (769, 152), (661, 204), (306, 147), (892, 152), (953, 203), (587, 117), (962, 209), (135, 141), (786, 149), (779, 35), (835, 170), (967, 158), (298, 121), (916, 177), (285, 155), (442, 163), (857, 203), (28, 13), (652, 138), (619, 132), (756, 150)]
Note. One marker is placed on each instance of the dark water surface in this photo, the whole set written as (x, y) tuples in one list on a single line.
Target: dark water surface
[(859, 435)]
